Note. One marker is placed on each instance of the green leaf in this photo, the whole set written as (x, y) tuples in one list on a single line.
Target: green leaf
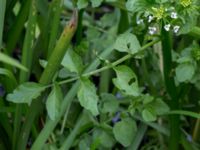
[(87, 96), (72, 62), (26, 92), (53, 102), (105, 139), (9, 74), (110, 103), (149, 114), (160, 107), (184, 72), (126, 80), (8, 60), (127, 42), (124, 131), (82, 4)]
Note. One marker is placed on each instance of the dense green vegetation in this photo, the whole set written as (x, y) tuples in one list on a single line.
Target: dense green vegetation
[(99, 74)]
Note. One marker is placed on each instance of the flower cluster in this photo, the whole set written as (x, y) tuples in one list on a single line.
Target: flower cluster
[(154, 15)]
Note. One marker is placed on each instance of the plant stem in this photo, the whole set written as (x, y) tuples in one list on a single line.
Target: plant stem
[(14, 32), (54, 23), (171, 89), (2, 14), (110, 65), (48, 74), (50, 125), (27, 53)]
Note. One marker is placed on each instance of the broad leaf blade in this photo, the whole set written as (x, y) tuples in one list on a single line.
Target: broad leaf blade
[(53, 102), (26, 92), (124, 131), (87, 96), (127, 42), (126, 80), (72, 62)]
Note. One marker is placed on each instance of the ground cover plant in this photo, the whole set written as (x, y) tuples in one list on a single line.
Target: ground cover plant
[(99, 74)]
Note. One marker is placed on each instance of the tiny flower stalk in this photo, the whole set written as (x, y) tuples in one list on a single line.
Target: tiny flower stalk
[(47, 76), (170, 88)]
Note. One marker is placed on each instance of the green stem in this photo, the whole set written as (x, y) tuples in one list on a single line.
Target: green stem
[(27, 53), (50, 125), (111, 65), (79, 27), (48, 74), (2, 13), (82, 120), (14, 32), (171, 89), (55, 11), (123, 22)]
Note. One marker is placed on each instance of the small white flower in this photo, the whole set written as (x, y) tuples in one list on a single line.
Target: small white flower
[(174, 15), (152, 30), (140, 21), (150, 18), (167, 27), (176, 29)]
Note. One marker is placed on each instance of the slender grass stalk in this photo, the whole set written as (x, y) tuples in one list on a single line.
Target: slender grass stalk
[(82, 120), (16, 28), (56, 8), (48, 74), (171, 89), (2, 14), (27, 53), (9, 6), (123, 22), (79, 27), (50, 125)]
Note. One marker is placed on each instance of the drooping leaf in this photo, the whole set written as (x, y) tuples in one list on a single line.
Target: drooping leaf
[(53, 102), (72, 62), (87, 96), (124, 131), (126, 80), (26, 92), (127, 42), (8, 60)]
